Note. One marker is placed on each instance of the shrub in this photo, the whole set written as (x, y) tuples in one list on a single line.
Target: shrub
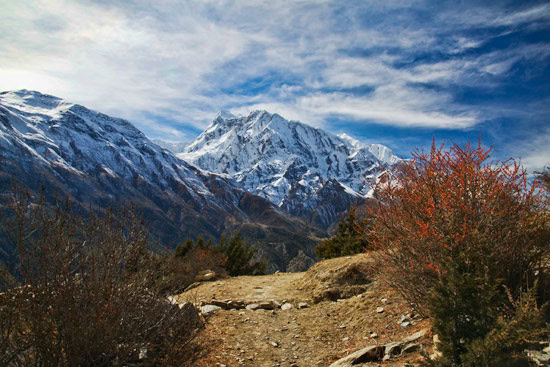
[(443, 205), (188, 260), (347, 240), (464, 240), (86, 294), (475, 327)]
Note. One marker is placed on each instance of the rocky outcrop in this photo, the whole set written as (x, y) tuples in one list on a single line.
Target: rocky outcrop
[(379, 353), (333, 279)]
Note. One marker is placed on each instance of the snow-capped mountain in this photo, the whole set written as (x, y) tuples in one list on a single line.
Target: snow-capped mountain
[(67, 136), (301, 169), (96, 159)]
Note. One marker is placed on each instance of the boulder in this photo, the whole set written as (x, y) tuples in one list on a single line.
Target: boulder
[(377, 353), (205, 276)]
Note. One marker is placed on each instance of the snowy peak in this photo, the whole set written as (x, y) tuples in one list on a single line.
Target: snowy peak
[(70, 137), (288, 162), (35, 102), (225, 115), (351, 141), (384, 154)]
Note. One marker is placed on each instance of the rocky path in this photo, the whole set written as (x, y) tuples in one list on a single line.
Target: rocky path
[(316, 335)]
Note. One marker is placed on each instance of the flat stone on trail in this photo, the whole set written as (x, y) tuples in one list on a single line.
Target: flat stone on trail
[(275, 304), (235, 305), (266, 306), (253, 307), (205, 276), (302, 305), (414, 337), (380, 309), (192, 285), (222, 304)]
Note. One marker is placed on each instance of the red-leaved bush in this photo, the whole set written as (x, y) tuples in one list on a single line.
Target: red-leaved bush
[(446, 204)]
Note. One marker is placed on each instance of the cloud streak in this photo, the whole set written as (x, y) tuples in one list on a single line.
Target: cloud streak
[(170, 66)]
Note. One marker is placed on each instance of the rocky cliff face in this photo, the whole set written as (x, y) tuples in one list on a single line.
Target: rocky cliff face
[(303, 170)]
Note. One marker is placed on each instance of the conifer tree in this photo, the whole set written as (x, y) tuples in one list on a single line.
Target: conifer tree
[(240, 257), (347, 240)]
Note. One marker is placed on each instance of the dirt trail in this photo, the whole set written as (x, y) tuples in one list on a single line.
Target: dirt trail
[(313, 336), (280, 286)]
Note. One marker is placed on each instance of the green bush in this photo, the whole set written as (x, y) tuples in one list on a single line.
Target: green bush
[(180, 269), (478, 326), (183, 249), (348, 239), (240, 257)]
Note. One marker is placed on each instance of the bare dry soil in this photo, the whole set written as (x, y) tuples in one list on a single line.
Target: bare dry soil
[(343, 313)]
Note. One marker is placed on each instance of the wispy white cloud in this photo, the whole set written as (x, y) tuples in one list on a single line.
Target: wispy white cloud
[(183, 61), (536, 154)]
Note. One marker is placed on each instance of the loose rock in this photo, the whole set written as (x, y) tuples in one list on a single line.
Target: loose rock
[(205, 276), (266, 306), (287, 306), (209, 309)]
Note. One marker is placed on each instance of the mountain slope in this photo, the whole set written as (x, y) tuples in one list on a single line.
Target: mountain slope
[(303, 170), (96, 159)]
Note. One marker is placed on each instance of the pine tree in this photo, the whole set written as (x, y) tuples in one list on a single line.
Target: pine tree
[(347, 240), (239, 257), (183, 250)]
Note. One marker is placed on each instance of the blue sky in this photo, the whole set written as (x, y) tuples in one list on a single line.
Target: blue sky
[(391, 72)]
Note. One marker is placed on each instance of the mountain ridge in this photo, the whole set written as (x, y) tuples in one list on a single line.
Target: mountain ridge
[(97, 159), (303, 170)]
